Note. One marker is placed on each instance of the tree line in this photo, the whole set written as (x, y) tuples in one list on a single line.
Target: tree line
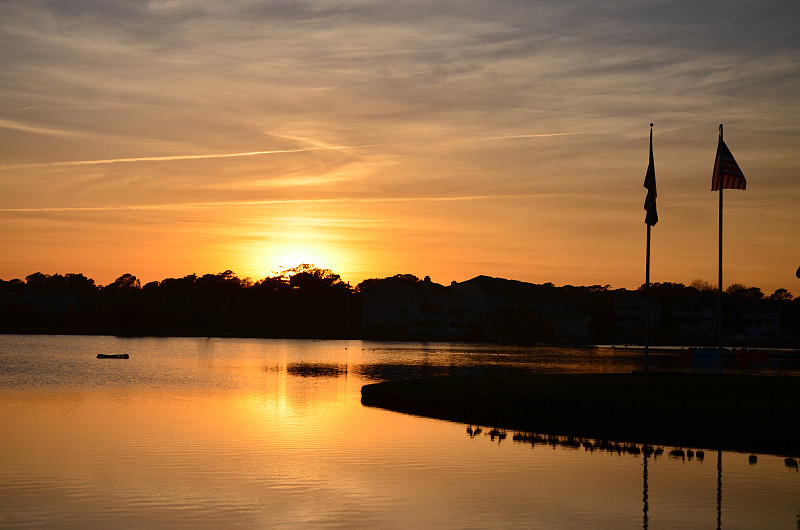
[(304, 301), (671, 296)]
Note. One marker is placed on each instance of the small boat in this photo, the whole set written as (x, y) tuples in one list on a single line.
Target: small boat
[(113, 356)]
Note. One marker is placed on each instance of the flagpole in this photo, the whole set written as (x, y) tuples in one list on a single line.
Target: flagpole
[(727, 174), (719, 296), (646, 299), (647, 278)]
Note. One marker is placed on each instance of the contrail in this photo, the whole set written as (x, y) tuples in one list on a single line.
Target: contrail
[(218, 204), (548, 135), (176, 157)]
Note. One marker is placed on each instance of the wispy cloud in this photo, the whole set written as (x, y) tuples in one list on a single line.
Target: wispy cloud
[(6, 111), (244, 203), (178, 157), (37, 129), (545, 135)]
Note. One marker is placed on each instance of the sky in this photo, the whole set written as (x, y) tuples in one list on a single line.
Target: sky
[(450, 138)]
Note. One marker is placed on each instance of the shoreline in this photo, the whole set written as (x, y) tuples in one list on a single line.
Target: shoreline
[(747, 413)]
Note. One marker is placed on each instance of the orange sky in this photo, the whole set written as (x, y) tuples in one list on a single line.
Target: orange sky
[(172, 137)]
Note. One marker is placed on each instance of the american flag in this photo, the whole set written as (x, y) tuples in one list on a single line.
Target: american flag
[(726, 171)]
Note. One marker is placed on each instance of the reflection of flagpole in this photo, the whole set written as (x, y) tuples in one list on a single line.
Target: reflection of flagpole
[(719, 297), (645, 505), (719, 489)]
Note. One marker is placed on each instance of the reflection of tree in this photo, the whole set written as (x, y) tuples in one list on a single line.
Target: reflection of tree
[(306, 369)]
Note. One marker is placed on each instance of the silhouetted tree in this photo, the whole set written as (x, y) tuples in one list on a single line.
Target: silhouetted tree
[(304, 301), (126, 282), (737, 291), (781, 295), (407, 278), (703, 286), (312, 279)]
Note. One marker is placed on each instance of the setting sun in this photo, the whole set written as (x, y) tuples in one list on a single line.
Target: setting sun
[(289, 248)]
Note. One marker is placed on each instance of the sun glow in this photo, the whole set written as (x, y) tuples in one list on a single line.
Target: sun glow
[(280, 255), (289, 256)]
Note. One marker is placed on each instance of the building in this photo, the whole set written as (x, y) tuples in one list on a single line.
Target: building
[(630, 317), (482, 306), (405, 306), (758, 319), (696, 319)]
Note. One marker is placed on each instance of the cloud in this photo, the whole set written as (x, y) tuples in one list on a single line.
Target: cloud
[(47, 131), (544, 135), (495, 64)]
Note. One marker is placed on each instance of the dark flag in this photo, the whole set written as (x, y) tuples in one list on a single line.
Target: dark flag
[(726, 171), (651, 218)]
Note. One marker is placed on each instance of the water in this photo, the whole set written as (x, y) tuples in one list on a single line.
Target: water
[(212, 433)]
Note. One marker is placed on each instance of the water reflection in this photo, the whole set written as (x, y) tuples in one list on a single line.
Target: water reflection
[(307, 369), (253, 433), (645, 499), (648, 454), (719, 490)]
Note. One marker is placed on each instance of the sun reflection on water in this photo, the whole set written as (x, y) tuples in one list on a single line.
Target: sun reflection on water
[(248, 433)]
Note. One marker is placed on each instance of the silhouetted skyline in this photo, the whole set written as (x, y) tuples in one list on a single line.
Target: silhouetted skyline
[(307, 301)]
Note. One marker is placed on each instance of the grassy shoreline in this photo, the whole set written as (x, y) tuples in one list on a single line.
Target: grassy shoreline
[(732, 412)]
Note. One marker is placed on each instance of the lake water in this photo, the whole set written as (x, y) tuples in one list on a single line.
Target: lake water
[(250, 433)]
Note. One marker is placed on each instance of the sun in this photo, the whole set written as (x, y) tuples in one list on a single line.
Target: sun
[(320, 241), (272, 258), (296, 255)]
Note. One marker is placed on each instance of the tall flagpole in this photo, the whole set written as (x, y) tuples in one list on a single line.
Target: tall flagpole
[(650, 219), (727, 174), (719, 297), (647, 297)]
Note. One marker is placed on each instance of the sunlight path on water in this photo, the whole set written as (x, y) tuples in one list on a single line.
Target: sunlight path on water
[(209, 433)]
